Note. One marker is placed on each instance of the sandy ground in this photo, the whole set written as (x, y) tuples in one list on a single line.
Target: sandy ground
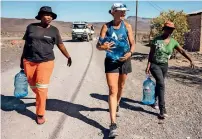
[(77, 100)]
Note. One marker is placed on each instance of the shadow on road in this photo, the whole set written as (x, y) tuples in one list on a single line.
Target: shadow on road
[(146, 44), (139, 56), (186, 75), (187, 70), (10, 103), (124, 104), (70, 40), (73, 110)]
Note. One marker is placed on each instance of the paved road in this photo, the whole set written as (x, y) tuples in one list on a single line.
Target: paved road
[(77, 102), (71, 109)]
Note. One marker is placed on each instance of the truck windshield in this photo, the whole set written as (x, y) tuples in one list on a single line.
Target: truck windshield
[(79, 26)]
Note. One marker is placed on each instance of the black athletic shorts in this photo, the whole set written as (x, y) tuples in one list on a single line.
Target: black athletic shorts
[(118, 67)]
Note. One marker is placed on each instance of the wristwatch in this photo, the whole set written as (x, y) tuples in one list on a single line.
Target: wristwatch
[(131, 53)]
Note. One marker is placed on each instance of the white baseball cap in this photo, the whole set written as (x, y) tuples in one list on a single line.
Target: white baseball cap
[(119, 7)]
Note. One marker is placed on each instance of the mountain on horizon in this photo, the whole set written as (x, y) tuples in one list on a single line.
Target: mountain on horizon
[(20, 24)]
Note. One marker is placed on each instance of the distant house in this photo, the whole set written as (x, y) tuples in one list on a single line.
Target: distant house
[(193, 39)]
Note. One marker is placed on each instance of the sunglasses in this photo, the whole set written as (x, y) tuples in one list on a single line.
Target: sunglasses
[(168, 28), (123, 6), (120, 11)]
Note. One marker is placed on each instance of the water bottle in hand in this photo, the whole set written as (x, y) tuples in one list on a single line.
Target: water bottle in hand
[(148, 91), (21, 85)]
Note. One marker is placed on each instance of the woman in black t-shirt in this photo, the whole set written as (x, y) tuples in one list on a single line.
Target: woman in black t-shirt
[(38, 57)]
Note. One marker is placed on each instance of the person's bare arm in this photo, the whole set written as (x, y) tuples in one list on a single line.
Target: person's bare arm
[(24, 48), (22, 56), (130, 37), (65, 53), (131, 42), (61, 46), (182, 51), (63, 50), (106, 45)]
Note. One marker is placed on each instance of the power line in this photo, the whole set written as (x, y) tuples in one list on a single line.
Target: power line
[(158, 6), (155, 7)]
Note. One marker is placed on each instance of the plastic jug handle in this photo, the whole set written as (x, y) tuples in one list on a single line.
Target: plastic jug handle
[(148, 76), (22, 71)]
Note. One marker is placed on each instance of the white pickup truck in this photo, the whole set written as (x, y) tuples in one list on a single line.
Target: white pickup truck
[(82, 31)]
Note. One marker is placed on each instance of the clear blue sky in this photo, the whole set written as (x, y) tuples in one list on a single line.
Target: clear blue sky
[(92, 10)]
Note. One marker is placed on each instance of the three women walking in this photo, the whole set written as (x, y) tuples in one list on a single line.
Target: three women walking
[(116, 38)]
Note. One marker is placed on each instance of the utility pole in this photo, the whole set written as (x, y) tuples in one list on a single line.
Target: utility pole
[(136, 22)]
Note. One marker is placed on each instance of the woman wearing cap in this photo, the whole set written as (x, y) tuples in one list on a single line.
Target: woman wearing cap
[(116, 38), (161, 50), (38, 57)]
